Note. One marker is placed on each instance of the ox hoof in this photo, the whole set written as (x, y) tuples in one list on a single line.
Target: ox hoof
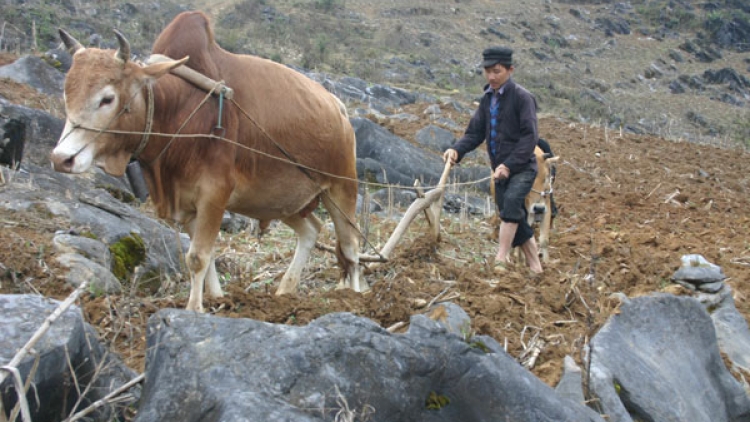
[(215, 295), (194, 308), (281, 291), (342, 285), (362, 286)]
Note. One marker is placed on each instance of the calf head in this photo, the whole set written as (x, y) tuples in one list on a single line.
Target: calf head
[(106, 107)]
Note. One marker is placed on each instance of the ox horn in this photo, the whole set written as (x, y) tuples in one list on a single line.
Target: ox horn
[(71, 44), (123, 53)]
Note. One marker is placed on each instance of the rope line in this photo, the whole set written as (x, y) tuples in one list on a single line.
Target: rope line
[(182, 126), (277, 158)]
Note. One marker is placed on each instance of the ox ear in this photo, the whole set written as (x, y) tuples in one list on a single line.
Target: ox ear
[(71, 44), (159, 69), (123, 52)]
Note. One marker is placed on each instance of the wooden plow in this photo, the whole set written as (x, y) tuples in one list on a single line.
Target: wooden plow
[(430, 203)]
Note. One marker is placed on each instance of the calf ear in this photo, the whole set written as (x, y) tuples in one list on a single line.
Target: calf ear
[(71, 44), (159, 69)]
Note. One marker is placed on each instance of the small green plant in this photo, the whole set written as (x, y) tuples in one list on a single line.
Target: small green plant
[(476, 344), (88, 234), (119, 194), (436, 401), (95, 290), (663, 282)]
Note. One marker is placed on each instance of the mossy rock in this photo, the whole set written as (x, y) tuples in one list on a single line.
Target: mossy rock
[(127, 253)]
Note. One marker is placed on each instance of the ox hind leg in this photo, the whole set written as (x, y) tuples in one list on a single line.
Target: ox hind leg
[(341, 203), (307, 229), (544, 231), (517, 254)]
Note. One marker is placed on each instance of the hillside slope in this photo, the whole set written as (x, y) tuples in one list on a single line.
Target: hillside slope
[(673, 68)]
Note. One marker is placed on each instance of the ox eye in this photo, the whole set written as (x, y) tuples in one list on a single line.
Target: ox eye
[(106, 101)]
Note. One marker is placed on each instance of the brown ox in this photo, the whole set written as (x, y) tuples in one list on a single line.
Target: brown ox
[(275, 112)]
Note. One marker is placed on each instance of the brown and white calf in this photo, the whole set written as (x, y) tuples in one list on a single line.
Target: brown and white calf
[(538, 201)]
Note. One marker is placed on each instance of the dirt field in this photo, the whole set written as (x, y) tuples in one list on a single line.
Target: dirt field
[(630, 207)]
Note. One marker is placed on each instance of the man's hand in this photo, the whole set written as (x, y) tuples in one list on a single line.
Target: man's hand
[(501, 172), (450, 155)]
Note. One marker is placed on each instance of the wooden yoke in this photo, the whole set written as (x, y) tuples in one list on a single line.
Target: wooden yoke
[(198, 79)]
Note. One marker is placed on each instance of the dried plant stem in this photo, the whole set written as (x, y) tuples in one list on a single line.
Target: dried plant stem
[(41, 331), (109, 398), (25, 412)]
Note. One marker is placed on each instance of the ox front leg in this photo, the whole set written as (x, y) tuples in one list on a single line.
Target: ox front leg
[(307, 229), (203, 231), (199, 264)]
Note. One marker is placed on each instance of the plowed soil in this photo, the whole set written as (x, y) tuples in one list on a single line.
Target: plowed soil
[(630, 208)]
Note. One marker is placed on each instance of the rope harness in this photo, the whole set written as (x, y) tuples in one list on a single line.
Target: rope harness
[(149, 120)]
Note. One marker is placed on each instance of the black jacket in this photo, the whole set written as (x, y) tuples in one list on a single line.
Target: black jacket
[(517, 132)]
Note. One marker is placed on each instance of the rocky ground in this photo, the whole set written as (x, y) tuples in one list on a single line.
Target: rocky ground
[(630, 208)]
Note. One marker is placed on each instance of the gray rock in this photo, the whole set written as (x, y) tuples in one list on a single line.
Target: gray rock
[(435, 138), (472, 204), (732, 332), (570, 385), (12, 141), (394, 197), (659, 360), (696, 270), (83, 206), (90, 248), (201, 368), (404, 162), (234, 223), (373, 206), (36, 73), (454, 319), (69, 343), (38, 131), (404, 117), (59, 58), (80, 268), (449, 124)]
